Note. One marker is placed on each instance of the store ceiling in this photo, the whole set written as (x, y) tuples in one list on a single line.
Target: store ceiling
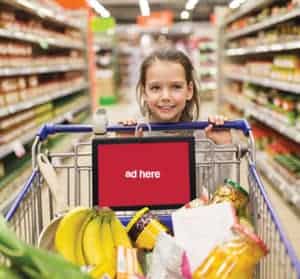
[(126, 11)]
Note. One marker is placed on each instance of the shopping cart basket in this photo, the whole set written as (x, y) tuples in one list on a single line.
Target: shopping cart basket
[(33, 208)]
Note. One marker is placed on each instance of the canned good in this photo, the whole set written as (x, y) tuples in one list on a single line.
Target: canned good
[(144, 228)]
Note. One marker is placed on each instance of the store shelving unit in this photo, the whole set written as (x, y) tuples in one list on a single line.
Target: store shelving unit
[(263, 115), (11, 109), (247, 8), (275, 47), (10, 71), (51, 13), (242, 48), (266, 82), (289, 190), (44, 42), (264, 24), (207, 67), (56, 62), (8, 148)]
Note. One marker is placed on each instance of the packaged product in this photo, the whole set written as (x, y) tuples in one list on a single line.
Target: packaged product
[(233, 259), (144, 228), (233, 192), (199, 230), (169, 260), (127, 263)]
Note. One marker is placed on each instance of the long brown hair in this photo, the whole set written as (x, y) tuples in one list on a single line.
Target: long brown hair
[(191, 110)]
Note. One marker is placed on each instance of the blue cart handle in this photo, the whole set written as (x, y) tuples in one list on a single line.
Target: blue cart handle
[(50, 129)]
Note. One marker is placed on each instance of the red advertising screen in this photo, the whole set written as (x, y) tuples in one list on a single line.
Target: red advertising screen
[(130, 173)]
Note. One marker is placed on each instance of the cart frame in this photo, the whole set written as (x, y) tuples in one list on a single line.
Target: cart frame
[(28, 221)]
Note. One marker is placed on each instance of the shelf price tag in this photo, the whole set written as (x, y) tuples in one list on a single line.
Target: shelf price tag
[(18, 149)]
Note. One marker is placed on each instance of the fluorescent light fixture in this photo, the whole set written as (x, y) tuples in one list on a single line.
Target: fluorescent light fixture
[(144, 7), (99, 8), (191, 4), (184, 15), (234, 4)]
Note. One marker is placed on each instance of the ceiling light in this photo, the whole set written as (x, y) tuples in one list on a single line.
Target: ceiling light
[(191, 4), (144, 7), (99, 8), (184, 15)]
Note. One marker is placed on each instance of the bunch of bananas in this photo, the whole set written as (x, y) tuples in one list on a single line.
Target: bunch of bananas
[(89, 237)]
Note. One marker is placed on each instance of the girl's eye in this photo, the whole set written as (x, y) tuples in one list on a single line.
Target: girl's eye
[(177, 86), (155, 88)]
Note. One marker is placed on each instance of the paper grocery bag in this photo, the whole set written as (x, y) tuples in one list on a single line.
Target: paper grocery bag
[(200, 229)]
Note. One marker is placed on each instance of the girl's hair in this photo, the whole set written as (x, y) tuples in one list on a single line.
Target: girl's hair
[(191, 110)]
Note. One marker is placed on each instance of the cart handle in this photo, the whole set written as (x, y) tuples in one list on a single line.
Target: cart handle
[(49, 129)]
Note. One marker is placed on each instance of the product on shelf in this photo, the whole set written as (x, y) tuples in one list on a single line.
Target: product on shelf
[(279, 149), (262, 15)]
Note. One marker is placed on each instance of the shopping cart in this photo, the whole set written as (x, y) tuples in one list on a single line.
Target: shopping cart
[(33, 208)]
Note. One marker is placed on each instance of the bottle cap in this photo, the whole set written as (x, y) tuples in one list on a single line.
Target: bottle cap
[(236, 185)]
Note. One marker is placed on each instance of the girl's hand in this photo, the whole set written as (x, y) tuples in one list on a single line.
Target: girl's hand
[(220, 136), (130, 122)]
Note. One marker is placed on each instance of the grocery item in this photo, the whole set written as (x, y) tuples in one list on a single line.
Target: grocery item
[(233, 259), (233, 192), (103, 235), (119, 233), (33, 262), (127, 263), (199, 230), (92, 244), (107, 240), (98, 246), (103, 271), (144, 228), (67, 234), (169, 260)]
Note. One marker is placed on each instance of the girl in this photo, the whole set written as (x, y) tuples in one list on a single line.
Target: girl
[(167, 92)]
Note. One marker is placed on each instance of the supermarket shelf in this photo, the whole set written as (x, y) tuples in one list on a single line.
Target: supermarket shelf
[(288, 191), (8, 148), (13, 34), (263, 48), (37, 9), (208, 85), (263, 115), (267, 82), (233, 100), (39, 70), (264, 24), (249, 7), (40, 100)]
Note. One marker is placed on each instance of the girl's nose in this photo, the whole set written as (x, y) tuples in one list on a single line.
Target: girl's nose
[(165, 93)]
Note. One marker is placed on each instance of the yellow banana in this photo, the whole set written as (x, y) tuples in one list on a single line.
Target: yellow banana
[(92, 242), (119, 233), (107, 240), (67, 232), (79, 253), (103, 271)]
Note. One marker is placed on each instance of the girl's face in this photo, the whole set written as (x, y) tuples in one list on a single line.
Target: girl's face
[(166, 91)]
